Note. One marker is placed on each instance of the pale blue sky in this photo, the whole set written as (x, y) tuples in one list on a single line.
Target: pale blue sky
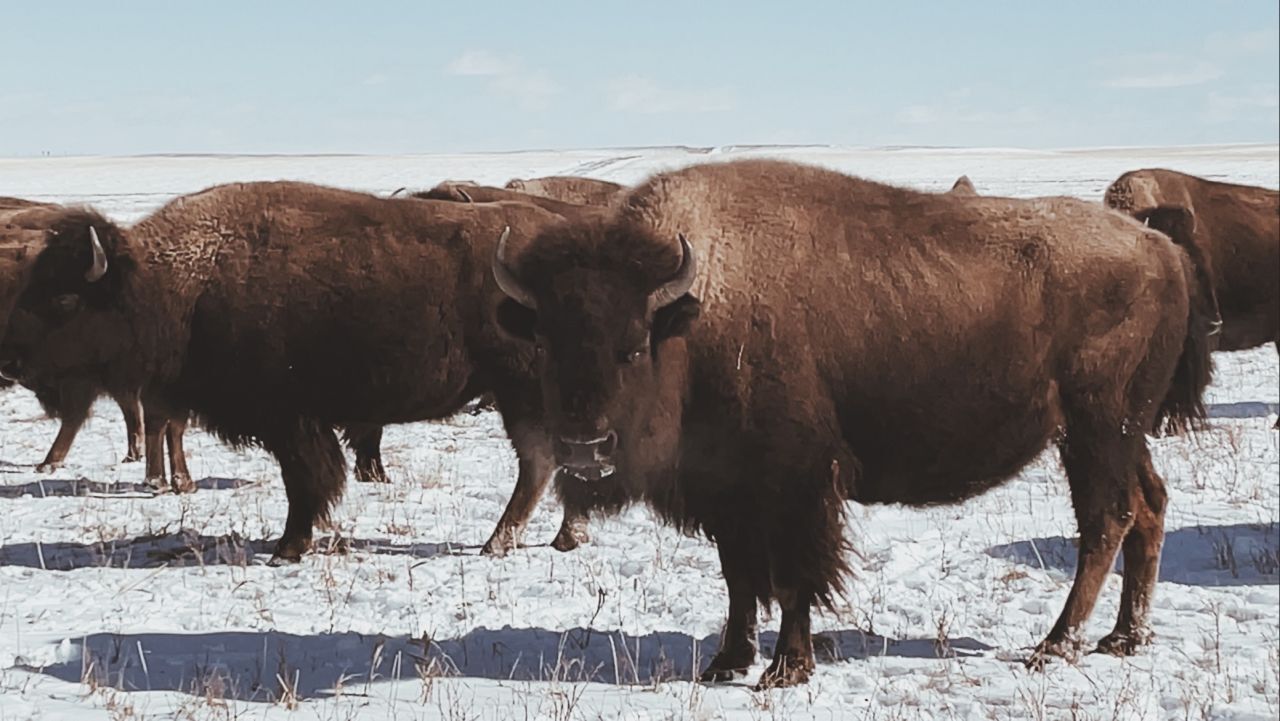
[(292, 77)]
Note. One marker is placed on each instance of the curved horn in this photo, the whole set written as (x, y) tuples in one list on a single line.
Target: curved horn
[(678, 285), (506, 279), (99, 268)]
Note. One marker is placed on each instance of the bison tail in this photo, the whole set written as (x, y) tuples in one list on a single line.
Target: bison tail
[(1183, 406)]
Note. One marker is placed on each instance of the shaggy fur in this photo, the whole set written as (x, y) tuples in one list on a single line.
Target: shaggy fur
[(472, 193), (848, 340), (24, 223), (570, 189), (276, 311), (1236, 239)]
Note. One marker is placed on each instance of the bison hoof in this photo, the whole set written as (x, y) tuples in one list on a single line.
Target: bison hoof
[(371, 475), (48, 467), (131, 457), (786, 670), (183, 484), (289, 551), (1068, 650), (1118, 643), (715, 674), (570, 538), (502, 542), (157, 484), (727, 667)]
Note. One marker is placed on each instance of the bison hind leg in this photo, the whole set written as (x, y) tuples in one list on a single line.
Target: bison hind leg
[(366, 441), (1102, 460)]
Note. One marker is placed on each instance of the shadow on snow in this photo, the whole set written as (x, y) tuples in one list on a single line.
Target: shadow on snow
[(265, 666), (1243, 409), (186, 548), (1240, 554), (61, 487)]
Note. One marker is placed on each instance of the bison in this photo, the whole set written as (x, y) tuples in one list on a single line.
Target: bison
[(1235, 238), (277, 311), (747, 346), (570, 189), (68, 398)]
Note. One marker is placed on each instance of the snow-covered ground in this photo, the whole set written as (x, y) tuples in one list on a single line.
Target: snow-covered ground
[(115, 604)]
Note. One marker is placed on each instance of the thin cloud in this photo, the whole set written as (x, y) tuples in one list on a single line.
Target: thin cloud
[(960, 115), (507, 76), (1176, 76), (482, 62), (1225, 108), (642, 94)]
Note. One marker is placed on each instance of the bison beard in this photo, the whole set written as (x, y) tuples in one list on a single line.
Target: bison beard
[(854, 341)]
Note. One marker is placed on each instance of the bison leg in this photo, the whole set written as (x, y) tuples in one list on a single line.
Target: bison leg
[(314, 471), (1141, 565), (155, 424), (179, 476), (131, 408), (738, 643), (533, 449), (573, 530), (366, 441), (1101, 472), (793, 658), (74, 402)]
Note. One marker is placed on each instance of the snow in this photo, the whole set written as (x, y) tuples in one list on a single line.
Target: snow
[(115, 604)]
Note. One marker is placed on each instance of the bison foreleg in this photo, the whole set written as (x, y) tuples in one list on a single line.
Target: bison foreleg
[(738, 643), (179, 476), (314, 473), (131, 408), (573, 531), (536, 466), (73, 408)]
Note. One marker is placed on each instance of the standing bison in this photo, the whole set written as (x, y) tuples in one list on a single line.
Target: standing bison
[(276, 311), (746, 346), (67, 397), (1235, 237)]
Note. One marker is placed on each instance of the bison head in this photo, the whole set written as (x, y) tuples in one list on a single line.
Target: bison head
[(599, 305), (73, 284)]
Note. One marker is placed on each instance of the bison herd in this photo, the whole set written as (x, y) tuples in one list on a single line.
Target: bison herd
[(742, 346)]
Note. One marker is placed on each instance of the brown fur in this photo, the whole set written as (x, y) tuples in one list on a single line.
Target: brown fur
[(848, 340), (570, 189), (276, 311), (1237, 236), (24, 223), (963, 186), (472, 193)]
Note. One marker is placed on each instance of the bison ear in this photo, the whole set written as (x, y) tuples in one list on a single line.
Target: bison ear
[(516, 320), (675, 318)]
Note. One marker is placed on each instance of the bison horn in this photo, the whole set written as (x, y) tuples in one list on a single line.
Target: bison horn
[(99, 268), (677, 286), (506, 279)]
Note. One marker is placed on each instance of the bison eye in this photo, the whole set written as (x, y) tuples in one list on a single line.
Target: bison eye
[(634, 356)]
